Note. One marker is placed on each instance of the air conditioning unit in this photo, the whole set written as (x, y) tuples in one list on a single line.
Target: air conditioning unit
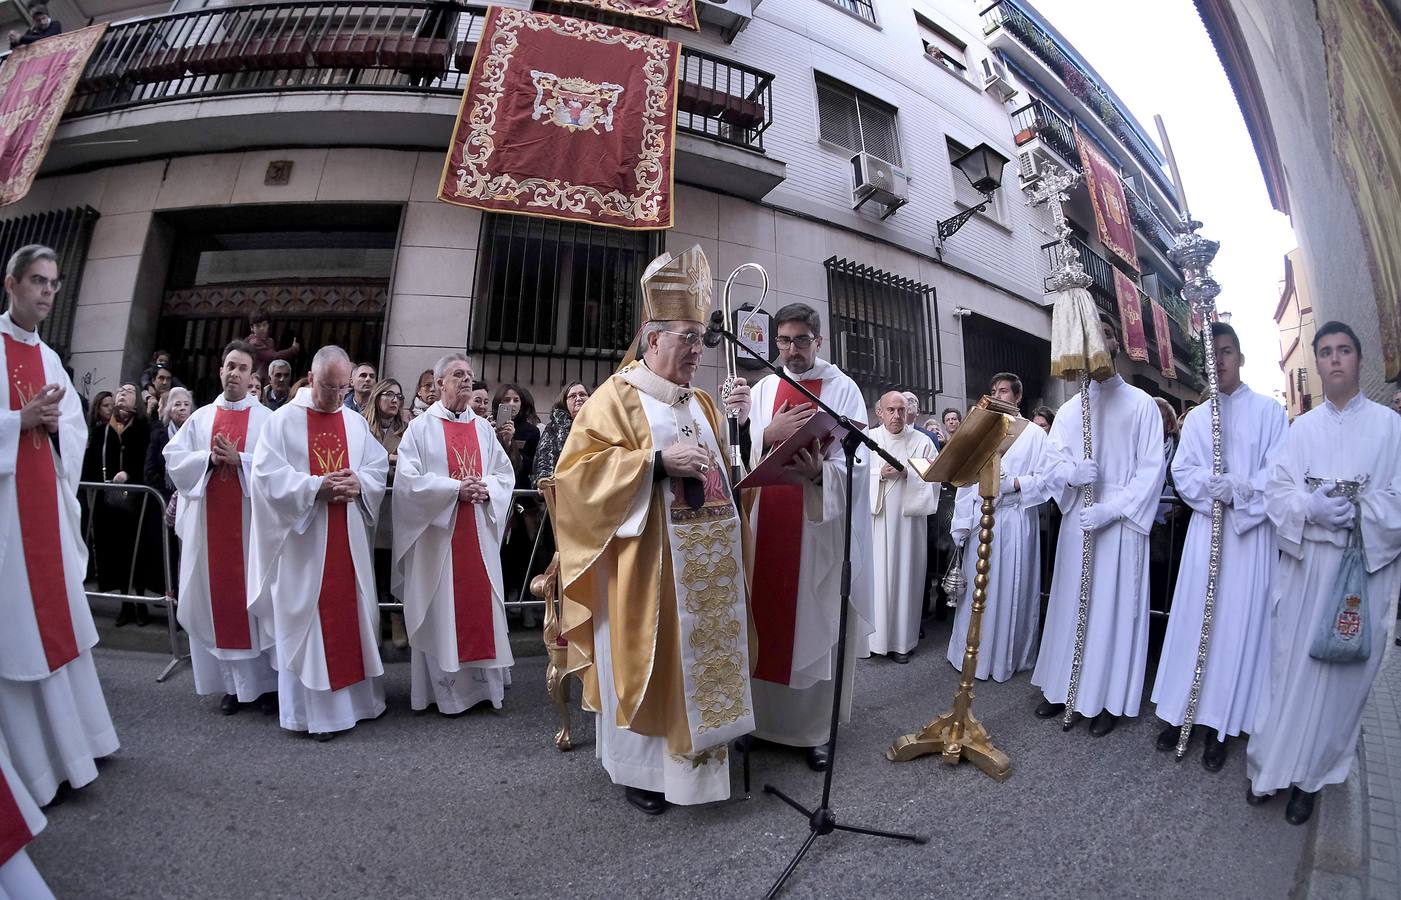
[(995, 80), (1029, 167), (872, 178), (730, 16)]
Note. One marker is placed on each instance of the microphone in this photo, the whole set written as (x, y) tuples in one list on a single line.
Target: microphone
[(713, 332)]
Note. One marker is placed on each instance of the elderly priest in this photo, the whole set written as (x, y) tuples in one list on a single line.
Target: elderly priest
[(318, 478), (452, 497), (651, 558)]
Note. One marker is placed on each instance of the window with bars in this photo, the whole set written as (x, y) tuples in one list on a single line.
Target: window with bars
[(551, 292), (883, 330), (68, 232), (860, 8), (856, 121)]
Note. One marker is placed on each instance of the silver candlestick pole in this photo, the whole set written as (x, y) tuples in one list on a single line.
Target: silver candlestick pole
[(1193, 254)]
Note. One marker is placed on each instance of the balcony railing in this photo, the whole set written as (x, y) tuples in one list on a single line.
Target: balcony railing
[(1037, 120), (1007, 14), (397, 46), (1100, 270)]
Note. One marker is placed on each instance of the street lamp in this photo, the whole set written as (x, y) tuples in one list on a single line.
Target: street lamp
[(982, 166)]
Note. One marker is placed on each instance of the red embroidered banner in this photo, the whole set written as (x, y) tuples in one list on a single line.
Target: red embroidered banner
[(1131, 316), (36, 82), (471, 585), (566, 119), (1107, 197), (338, 606), (223, 528), (776, 537), (1164, 339), (673, 12)]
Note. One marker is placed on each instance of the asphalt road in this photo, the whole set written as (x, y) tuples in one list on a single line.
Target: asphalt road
[(199, 805)]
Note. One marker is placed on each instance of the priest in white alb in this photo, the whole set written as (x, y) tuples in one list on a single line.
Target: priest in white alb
[(1013, 606), (1233, 682), (210, 462), (318, 479), (52, 711), (798, 532), (1127, 470), (1305, 735), (452, 498), (899, 505)]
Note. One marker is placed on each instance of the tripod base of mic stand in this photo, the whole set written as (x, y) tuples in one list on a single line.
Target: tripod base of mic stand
[(823, 821), (939, 737)]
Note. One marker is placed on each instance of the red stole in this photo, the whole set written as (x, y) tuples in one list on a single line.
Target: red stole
[(338, 605), (36, 490), (14, 831), (471, 586), (223, 524), (777, 558)]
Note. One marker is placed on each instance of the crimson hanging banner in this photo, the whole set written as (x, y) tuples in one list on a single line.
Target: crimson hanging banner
[(1131, 316), (36, 81), (672, 12), (1164, 338), (1107, 197), (566, 119)]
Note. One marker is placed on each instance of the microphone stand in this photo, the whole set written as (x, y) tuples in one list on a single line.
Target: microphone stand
[(822, 820)]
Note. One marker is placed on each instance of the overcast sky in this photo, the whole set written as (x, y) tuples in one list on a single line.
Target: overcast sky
[(1156, 55)]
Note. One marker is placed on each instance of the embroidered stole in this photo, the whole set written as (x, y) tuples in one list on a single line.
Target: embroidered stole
[(14, 830), (223, 528), (777, 561), (471, 585), (36, 490), (337, 605)]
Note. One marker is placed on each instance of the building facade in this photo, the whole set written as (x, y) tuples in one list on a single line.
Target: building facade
[(285, 157), (1295, 320)]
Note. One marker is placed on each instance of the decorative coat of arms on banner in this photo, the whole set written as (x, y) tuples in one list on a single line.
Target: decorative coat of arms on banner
[(1164, 336), (567, 119), (1131, 316), (673, 12), (36, 82), (1107, 197)]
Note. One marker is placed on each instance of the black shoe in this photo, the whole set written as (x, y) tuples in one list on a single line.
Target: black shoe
[(1048, 710), (650, 802), (900, 658), (1255, 799), (126, 615), (267, 704), (65, 790), (1167, 738), (143, 615), (1300, 806), (921, 632), (1103, 723), (1214, 755), (229, 705), (322, 737), (819, 757)]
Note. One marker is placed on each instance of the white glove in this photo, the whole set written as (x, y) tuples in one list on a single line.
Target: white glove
[(1244, 489), (960, 537), (1007, 485), (1220, 487), (1084, 472), (1097, 515), (1330, 512)]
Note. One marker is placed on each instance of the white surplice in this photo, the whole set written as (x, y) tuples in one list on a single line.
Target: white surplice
[(799, 713), (56, 722), (900, 508), (1237, 663), (1307, 726), (1127, 431), (288, 555), (426, 508), (246, 674), (1013, 606), (19, 880)]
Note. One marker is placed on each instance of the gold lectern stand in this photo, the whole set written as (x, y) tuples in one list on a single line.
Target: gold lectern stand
[(974, 456)]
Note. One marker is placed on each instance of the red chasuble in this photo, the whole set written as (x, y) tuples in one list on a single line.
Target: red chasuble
[(471, 586), (14, 831), (36, 490), (778, 557), (337, 606), (223, 524)]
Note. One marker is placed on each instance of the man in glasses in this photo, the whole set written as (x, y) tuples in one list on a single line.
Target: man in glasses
[(651, 561), (798, 546)]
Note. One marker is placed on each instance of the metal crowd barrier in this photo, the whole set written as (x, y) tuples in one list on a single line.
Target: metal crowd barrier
[(168, 600)]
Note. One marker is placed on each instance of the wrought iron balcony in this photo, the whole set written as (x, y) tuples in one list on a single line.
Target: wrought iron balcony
[(328, 46), (1100, 270), (1037, 120)]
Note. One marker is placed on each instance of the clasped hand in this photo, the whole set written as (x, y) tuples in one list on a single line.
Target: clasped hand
[(341, 486), (472, 490), (686, 461), (1330, 512), (225, 452), (42, 409)]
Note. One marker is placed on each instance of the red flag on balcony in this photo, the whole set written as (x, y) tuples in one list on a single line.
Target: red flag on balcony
[(36, 82), (1131, 316), (671, 12), (566, 119), (1164, 338), (1107, 197)]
